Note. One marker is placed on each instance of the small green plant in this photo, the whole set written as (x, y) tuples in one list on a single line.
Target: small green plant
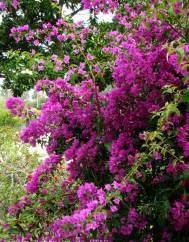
[(6, 119)]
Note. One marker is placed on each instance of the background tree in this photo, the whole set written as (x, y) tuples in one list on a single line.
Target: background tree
[(19, 13)]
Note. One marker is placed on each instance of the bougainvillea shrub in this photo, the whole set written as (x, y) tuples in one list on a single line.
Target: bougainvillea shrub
[(116, 136)]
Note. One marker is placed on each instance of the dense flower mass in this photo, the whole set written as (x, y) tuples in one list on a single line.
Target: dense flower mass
[(118, 118)]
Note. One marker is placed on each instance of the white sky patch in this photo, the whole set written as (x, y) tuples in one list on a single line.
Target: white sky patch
[(84, 16), (1, 81)]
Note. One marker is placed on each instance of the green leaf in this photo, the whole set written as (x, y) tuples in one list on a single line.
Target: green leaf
[(186, 78), (186, 97), (171, 11), (108, 146), (99, 125), (171, 108), (160, 15), (174, 162), (181, 54)]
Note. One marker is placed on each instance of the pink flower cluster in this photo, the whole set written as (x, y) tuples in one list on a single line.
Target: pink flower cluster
[(19, 29), (100, 5), (179, 215), (16, 208), (2, 6), (15, 105), (183, 138), (90, 197), (43, 169)]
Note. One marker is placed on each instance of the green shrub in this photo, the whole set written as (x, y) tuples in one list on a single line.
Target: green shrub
[(16, 162)]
